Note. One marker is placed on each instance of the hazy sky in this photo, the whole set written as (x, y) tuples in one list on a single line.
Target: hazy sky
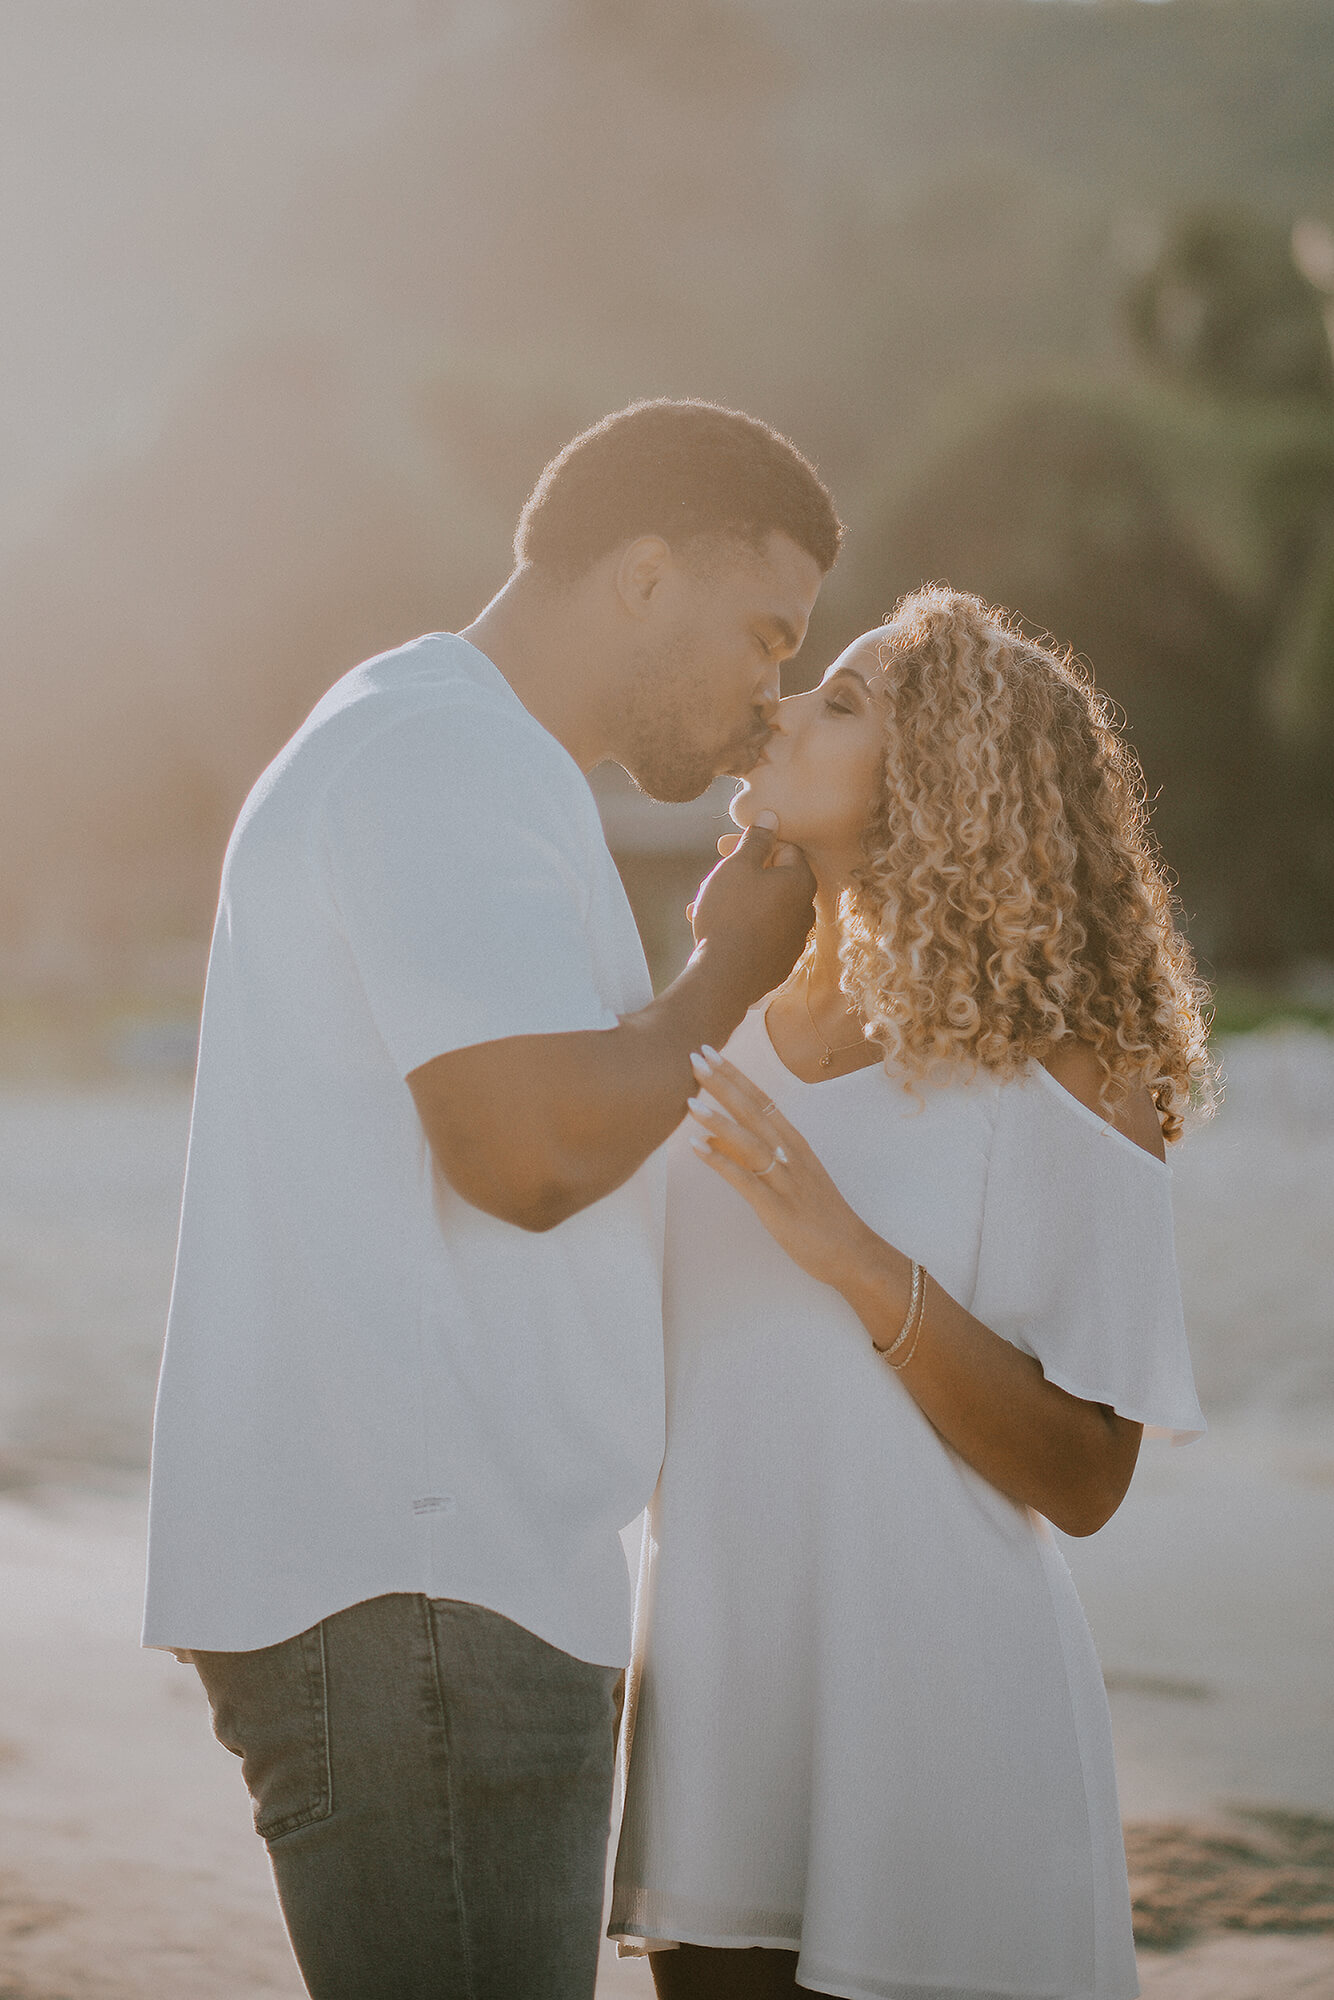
[(147, 148)]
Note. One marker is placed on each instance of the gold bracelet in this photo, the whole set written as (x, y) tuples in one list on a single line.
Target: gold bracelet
[(914, 1299), (899, 1366)]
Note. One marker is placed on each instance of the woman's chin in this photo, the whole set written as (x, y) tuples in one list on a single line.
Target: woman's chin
[(745, 806)]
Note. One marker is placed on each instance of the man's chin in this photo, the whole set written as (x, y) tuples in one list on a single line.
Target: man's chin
[(672, 788), (675, 782)]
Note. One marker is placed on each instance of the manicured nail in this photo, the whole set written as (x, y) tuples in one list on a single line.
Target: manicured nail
[(711, 1055), (701, 1146), (766, 819), (700, 1067), (695, 1103)]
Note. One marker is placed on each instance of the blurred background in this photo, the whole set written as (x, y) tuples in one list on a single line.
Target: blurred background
[(301, 294), (299, 297)]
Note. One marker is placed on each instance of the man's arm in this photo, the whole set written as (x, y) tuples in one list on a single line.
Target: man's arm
[(535, 1127)]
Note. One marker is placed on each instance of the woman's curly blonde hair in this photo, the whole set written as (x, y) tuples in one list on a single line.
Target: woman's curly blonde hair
[(1011, 894)]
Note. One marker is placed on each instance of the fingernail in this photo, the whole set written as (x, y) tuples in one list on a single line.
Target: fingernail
[(700, 1146), (695, 1103), (766, 819), (700, 1067), (711, 1055)]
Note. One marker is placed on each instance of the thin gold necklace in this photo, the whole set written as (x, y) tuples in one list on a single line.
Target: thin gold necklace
[(837, 1049)]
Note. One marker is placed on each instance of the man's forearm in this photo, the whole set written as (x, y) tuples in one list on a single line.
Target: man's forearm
[(637, 1082), (534, 1128), (559, 1121)]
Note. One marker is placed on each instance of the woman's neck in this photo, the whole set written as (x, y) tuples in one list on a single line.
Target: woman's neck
[(812, 1024), (825, 971)]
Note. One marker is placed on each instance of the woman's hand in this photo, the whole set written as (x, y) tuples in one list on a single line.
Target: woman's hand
[(758, 1152), (1035, 1442)]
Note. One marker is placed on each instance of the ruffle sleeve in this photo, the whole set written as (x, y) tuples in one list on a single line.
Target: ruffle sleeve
[(1077, 1264)]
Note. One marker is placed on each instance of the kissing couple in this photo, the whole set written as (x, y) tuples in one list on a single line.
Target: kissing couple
[(848, 1257)]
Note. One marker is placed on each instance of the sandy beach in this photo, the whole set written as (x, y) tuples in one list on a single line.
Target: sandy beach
[(127, 1864)]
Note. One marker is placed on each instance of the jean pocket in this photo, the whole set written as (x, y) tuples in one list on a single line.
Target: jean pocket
[(270, 1709)]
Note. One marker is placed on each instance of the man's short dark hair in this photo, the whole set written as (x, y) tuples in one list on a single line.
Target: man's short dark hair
[(682, 470)]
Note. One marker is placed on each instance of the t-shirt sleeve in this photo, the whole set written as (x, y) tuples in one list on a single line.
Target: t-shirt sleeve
[(457, 863), (1077, 1264)]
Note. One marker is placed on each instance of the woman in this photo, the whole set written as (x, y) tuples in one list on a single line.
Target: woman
[(921, 1300)]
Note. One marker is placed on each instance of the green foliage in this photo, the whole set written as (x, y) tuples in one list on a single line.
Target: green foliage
[(1179, 534), (1224, 306), (1241, 1007)]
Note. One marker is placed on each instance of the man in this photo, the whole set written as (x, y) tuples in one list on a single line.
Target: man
[(412, 1384)]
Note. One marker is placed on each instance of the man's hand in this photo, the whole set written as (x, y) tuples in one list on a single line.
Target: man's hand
[(534, 1128), (756, 908)]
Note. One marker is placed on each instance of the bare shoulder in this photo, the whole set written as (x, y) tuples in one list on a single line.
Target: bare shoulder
[(1077, 1069)]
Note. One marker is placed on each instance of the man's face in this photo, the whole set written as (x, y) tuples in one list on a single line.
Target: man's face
[(703, 687)]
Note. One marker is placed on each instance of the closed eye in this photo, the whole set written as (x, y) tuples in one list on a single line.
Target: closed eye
[(846, 691)]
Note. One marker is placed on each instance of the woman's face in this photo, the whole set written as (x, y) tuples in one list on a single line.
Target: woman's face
[(821, 768)]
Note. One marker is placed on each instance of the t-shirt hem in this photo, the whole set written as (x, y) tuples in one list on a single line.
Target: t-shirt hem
[(227, 1638)]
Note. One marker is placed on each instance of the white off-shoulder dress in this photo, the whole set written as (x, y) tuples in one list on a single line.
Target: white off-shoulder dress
[(868, 1719)]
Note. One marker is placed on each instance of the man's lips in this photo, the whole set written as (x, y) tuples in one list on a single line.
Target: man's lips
[(751, 756)]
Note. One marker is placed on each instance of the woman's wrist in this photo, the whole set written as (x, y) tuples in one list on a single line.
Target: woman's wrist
[(876, 1281)]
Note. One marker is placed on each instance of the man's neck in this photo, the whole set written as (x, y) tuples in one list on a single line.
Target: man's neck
[(540, 639)]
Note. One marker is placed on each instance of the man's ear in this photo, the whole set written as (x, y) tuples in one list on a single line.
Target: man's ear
[(639, 571)]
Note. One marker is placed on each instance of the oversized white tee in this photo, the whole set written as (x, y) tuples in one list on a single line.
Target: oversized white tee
[(868, 1720), (368, 1385)]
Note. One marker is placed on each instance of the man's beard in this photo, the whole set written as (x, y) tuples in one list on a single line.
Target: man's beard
[(658, 749), (668, 771)]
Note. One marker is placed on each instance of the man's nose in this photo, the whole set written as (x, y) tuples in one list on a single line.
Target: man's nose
[(783, 714)]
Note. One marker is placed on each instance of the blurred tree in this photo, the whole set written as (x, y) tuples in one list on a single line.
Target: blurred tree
[(1225, 308), (1179, 533)]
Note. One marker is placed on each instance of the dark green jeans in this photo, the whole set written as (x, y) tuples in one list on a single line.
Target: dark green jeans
[(434, 1785)]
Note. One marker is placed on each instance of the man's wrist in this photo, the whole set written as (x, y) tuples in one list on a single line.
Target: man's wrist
[(720, 987)]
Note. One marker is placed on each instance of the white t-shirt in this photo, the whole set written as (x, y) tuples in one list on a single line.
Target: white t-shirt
[(368, 1385)]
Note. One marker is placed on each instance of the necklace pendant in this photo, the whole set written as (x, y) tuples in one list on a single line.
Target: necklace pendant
[(826, 1060)]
